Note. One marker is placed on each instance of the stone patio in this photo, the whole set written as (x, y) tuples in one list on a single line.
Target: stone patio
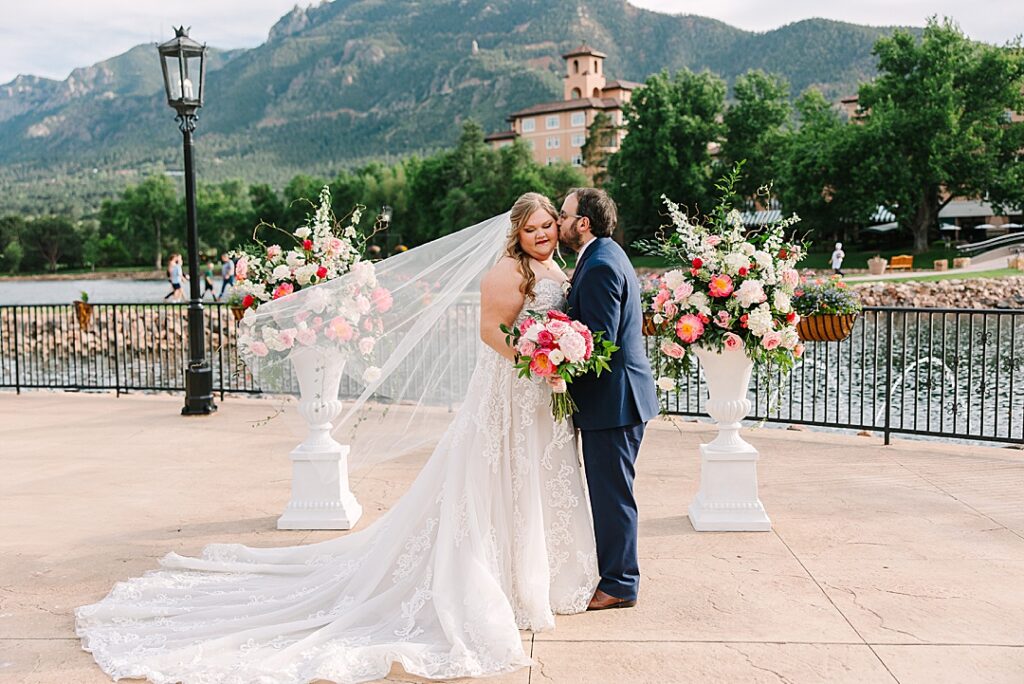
[(901, 563)]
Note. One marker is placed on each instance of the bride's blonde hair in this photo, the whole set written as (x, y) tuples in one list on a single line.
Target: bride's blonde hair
[(521, 211)]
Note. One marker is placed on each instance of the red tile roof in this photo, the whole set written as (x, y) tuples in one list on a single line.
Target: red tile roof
[(568, 106)]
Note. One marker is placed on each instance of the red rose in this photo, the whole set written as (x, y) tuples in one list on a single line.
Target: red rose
[(247, 301), (703, 318), (307, 245), (743, 271), (783, 254), (545, 339), (798, 293), (790, 317), (743, 320), (697, 262), (321, 272)]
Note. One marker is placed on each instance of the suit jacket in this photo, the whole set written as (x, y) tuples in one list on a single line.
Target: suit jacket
[(605, 295)]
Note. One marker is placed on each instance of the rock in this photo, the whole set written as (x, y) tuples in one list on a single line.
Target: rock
[(865, 433), (797, 428), (981, 293)]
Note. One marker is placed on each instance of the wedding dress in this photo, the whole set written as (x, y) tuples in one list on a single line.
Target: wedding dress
[(494, 536)]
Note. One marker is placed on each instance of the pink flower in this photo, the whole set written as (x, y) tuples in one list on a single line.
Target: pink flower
[(673, 350), (526, 325), (283, 290), (339, 329), (579, 327), (287, 338), (306, 337), (558, 385), (558, 328), (723, 319), (366, 345), (720, 285), (334, 246), (671, 310), (541, 365), (712, 240), (733, 341), (301, 316), (242, 268), (798, 350), (259, 349), (368, 325), (790, 277), (545, 339), (273, 251), (556, 315), (689, 328), (526, 347), (660, 299), (771, 339), (363, 305), (682, 292), (382, 299)]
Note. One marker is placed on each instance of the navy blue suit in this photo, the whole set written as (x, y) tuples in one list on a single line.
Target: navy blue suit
[(614, 408)]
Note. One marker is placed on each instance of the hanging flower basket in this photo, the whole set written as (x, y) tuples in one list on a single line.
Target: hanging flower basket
[(83, 310), (651, 329), (826, 327), (238, 311)]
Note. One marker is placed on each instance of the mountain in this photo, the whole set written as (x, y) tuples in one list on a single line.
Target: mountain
[(351, 80)]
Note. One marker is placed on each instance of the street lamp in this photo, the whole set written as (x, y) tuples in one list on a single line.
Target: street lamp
[(184, 67)]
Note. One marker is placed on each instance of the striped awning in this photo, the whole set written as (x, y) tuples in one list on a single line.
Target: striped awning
[(761, 218), (882, 215)]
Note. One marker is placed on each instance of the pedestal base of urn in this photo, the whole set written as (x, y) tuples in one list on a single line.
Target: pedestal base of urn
[(727, 500), (321, 499)]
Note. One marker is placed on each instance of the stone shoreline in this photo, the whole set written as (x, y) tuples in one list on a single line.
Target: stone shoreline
[(972, 293)]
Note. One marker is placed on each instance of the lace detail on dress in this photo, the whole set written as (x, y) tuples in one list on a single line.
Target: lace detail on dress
[(494, 534)]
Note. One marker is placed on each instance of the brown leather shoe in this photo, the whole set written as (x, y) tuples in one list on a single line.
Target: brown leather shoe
[(603, 601)]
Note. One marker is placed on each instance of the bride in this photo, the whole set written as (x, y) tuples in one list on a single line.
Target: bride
[(495, 535)]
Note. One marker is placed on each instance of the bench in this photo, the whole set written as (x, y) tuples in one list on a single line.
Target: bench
[(901, 262)]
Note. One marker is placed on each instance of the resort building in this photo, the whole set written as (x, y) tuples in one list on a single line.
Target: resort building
[(556, 131)]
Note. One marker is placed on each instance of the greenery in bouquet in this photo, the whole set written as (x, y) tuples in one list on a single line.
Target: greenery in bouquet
[(731, 288), (346, 319), (825, 296)]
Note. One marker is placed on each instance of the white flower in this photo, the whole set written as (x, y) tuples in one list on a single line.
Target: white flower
[(762, 258), (751, 292), (366, 345), (303, 274), (294, 259), (316, 300), (371, 375), (363, 273), (790, 337), (782, 302), (700, 301), (532, 333), (673, 279), (556, 356), (760, 320), (302, 232), (734, 261), (666, 384), (282, 272), (573, 346), (747, 249)]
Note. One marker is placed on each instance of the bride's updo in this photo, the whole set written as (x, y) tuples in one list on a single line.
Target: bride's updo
[(521, 211)]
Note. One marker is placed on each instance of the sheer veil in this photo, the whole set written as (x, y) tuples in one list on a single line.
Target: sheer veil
[(407, 329)]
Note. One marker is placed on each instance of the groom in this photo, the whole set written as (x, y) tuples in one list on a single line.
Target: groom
[(613, 408)]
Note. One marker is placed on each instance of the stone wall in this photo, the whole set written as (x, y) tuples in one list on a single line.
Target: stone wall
[(974, 293)]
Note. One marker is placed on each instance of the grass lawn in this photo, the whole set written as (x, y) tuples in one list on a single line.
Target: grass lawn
[(859, 259), (956, 275)]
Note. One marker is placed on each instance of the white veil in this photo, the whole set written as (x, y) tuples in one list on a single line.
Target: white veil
[(408, 327)]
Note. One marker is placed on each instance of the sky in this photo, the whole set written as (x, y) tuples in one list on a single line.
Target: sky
[(52, 37)]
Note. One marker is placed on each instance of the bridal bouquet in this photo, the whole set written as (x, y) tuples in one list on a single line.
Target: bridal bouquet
[(556, 348), (347, 319), (732, 288)]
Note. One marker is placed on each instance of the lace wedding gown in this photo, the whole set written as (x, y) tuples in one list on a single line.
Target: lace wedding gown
[(494, 536)]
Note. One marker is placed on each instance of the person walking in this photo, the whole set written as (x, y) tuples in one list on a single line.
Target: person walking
[(208, 281), (227, 274), (837, 258), (177, 294)]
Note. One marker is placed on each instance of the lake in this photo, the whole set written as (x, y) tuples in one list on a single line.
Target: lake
[(100, 291)]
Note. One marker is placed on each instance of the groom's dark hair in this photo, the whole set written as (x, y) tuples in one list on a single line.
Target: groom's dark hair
[(597, 206)]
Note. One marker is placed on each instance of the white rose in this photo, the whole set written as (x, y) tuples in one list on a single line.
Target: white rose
[(533, 332), (673, 279), (762, 258), (304, 274), (371, 375), (790, 337), (734, 261), (747, 248), (294, 259), (303, 232), (666, 384), (782, 302), (556, 356), (281, 272)]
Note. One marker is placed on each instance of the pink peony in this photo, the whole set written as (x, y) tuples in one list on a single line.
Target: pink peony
[(382, 299), (682, 292), (306, 337), (689, 328), (526, 347), (541, 365), (259, 349), (672, 350), (283, 290), (771, 339), (339, 329), (720, 285), (579, 327), (733, 341), (286, 338)]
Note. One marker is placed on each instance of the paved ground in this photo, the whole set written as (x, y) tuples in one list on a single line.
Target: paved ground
[(901, 563)]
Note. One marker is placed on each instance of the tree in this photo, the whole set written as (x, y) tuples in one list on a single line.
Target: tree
[(596, 150), (144, 215), (936, 122), (54, 238), (671, 122), (756, 128)]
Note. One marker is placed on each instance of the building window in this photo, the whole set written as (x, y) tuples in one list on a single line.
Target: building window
[(575, 66), (553, 143), (551, 122), (529, 125), (578, 139), (576, 94), (552, 161), (597, 67), (577, 160), (578, 119), (597, 92)]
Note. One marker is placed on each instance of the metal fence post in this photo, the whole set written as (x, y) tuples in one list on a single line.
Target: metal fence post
[(888, 374), (17, 354)]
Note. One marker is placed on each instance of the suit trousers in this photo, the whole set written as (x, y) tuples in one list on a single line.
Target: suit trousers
[(609, 457)]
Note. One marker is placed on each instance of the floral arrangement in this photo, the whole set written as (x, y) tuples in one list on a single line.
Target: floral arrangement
[(825, 296), (556, 348), (732, 289), (347, 318)]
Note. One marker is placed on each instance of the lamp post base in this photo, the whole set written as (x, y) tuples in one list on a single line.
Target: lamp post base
[(199, 391)]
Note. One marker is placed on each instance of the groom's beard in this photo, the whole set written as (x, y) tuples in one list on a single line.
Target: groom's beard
[(571, 239)]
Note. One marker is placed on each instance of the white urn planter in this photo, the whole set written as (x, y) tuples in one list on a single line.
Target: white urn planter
[(727, 499), (321, 498)]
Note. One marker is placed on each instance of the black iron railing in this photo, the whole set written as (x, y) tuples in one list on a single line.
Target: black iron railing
[(952, 373)]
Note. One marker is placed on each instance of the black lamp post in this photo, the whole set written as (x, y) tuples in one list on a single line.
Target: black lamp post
[(184, 67)]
